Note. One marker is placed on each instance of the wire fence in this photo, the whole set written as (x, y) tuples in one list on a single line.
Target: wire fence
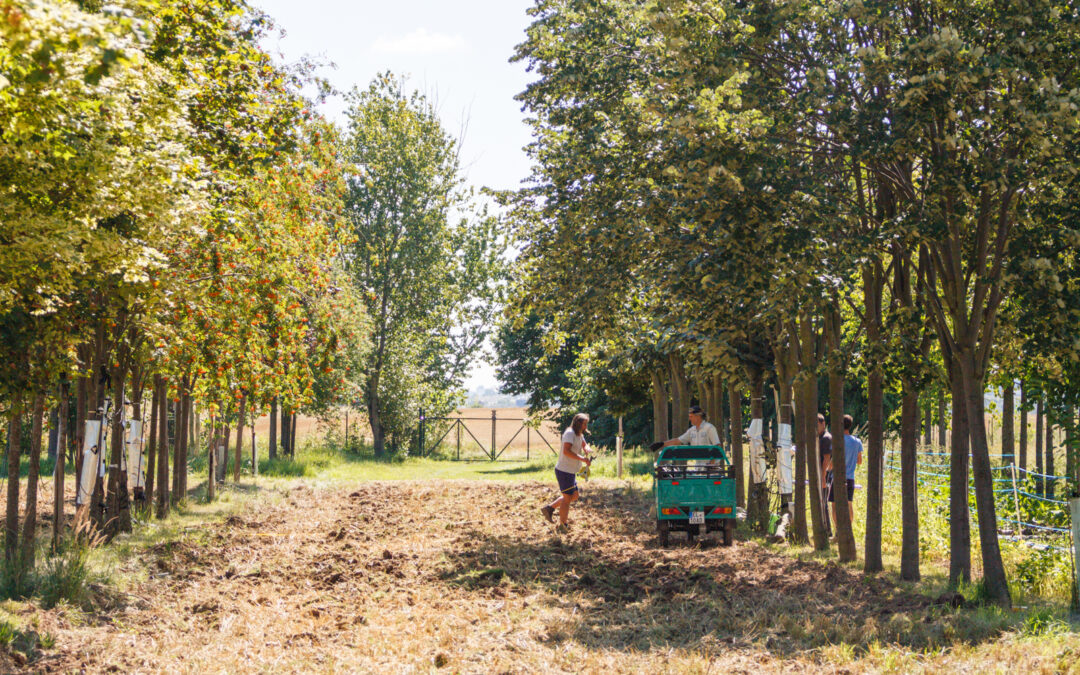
[(1027, 510)]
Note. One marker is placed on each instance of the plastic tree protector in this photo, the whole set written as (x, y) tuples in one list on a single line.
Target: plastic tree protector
[(92, 460), (757, 451), (785, 457), (136, 469)]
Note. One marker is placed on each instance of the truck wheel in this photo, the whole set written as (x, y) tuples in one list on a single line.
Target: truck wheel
[(663, 530), (729, 532)]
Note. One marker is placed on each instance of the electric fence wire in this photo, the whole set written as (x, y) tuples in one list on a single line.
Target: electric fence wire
[(1027, 495)]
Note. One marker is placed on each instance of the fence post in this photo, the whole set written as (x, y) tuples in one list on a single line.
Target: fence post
[(457, 426), (618, 449), (1074, 512), (527, 441), (493, 435), (1016, 501)]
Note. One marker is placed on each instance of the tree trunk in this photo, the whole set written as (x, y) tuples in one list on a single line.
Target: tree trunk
[(81, 402), (225, 432), (292, 437), (809, 412), (736, 431), (793, 498), (179, 491), (54, 432), (30, 519), (758, 503), (1022, 460), (994, 581), (1072, 453), (58, 470), (272, 451), (178, 433), (718, 402), (163, 448), (117, 488), (942, 429), (1008, 417), (151, 449), (211, 460), (239, 438), (286, 427), (1049, 451), (873, 283), (11, 523), (928, 423), (802, 450), (186, 445), (659, 401), (959, 513), (1039, 469), (680, 395), (845, 536), (909, 482)]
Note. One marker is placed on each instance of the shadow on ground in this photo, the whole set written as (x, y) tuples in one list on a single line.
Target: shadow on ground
[(621, 591)]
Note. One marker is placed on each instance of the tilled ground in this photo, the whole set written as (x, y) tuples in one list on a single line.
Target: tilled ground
[(403, 577)]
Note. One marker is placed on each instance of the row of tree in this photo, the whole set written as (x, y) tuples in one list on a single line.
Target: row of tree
[(184, 237), (873, 193), (172, 222)]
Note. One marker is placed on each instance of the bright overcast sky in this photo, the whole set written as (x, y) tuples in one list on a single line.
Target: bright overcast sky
[(456, 52)]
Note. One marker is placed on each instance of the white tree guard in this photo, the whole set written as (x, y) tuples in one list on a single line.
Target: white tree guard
[(757, 451), (136, 464), (93, 463), (785, 458)]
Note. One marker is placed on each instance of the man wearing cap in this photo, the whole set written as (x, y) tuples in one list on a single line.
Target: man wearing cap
[(699, 433)]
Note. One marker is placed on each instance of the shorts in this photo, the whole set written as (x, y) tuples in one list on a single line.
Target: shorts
[(850, 491), (567, 481)]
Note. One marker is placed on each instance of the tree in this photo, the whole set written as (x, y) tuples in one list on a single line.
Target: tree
[(419, 274)]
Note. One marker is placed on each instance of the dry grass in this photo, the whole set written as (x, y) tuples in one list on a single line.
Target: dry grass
[(417, 576)]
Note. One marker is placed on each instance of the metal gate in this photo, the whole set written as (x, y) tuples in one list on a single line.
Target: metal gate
[(492, 451)]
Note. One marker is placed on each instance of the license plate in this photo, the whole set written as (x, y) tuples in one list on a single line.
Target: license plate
[(697, 517)]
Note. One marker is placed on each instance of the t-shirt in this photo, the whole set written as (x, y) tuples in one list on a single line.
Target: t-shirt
[(569, 464), (824, 443), (703, 435), (852, 450)]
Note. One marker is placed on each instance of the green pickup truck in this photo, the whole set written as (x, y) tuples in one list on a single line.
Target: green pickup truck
[(695, 492)]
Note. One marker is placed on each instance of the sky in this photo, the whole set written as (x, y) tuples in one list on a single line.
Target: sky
[(457, 52)]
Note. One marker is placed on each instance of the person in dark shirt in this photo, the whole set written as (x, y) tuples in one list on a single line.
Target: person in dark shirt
[(825, 453)]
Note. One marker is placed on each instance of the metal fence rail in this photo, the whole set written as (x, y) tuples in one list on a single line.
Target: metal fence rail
[(492, 451)]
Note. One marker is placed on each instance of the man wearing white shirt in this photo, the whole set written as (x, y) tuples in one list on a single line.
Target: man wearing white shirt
[(699, 433)]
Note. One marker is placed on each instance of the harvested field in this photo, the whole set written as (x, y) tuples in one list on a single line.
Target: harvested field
[(408, 576)]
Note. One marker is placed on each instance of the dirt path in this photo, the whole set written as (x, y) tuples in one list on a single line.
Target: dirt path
[(405, 577)]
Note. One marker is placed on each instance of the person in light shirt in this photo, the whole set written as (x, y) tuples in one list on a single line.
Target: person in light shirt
[(699, 433), (573, 454)]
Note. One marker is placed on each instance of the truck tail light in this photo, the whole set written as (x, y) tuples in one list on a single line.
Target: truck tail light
[(722, 510), (671, 511)]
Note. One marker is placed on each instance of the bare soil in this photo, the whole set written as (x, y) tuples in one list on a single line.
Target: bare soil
[(467, 576)]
